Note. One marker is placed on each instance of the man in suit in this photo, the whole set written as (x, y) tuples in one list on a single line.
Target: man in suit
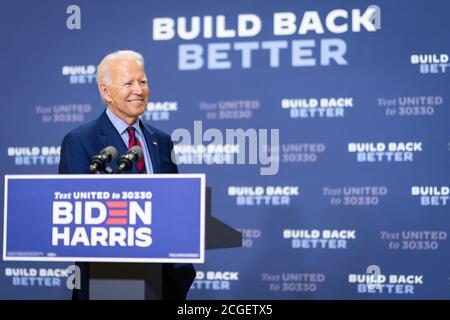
[(123, 86)]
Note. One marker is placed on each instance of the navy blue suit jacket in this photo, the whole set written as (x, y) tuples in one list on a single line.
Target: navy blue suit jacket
[(81, 144)]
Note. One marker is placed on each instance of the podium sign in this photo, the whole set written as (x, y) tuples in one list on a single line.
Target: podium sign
[(105, 218)]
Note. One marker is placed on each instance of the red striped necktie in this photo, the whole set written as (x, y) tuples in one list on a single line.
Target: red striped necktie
[(134, 141)]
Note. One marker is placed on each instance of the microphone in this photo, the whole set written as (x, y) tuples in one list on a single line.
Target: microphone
[(134, 154), (99, 161)]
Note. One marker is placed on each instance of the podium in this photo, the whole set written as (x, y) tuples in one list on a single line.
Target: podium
[(144, 280), (125, 231)]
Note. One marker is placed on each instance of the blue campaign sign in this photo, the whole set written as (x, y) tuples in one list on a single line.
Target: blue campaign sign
[(117, 218)]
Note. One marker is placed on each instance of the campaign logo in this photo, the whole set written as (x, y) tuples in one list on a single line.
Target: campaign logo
[(214, 280), (385, 152), (375, 282), (34, 155), (250, 236), (355, 195), (63, 113), (307, 108), (209, 154), (293, 282), (413, 239), (431, 63), (103, 218), (37, 277), (319, 239), (282, 48), (301, 152), (159, 110), (431, 195), (263, 195), (410, 106), (81, 74), (80, 221), (229, 109)]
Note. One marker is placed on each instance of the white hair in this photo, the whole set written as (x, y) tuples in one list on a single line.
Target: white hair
[(103, 69)]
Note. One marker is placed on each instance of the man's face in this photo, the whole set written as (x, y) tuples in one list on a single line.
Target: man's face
[(127, 96)]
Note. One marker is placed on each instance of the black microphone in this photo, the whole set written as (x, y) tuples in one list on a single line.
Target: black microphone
[(134, 154), (99, 161)]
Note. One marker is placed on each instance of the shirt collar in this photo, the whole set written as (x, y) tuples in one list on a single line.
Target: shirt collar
[(120, 125)]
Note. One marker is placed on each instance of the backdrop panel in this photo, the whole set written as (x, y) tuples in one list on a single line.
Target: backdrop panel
[(357, 89)]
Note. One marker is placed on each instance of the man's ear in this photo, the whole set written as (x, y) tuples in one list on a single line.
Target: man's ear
[(106, 93)]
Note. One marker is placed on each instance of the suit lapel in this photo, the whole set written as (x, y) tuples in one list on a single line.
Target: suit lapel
[(152, 145), (108, 136)]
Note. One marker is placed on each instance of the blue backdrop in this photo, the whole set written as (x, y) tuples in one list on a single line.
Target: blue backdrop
[(362, 186)]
